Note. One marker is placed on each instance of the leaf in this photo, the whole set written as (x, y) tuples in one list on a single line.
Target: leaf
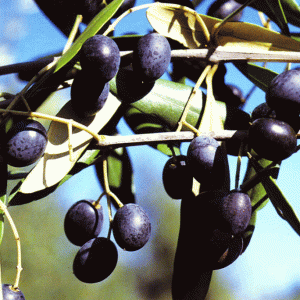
[(18, 198), (278, 13), (257, 193), (55, 163), (278, 199), (120, 175), (94, 26), (183, 26), (290, 8), (166, 101), (143, 123), (260, 76), (3, 186)]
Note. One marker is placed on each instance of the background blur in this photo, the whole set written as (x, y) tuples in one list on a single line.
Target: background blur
[(269, 269)]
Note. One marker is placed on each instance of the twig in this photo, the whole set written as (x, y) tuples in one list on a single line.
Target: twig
[(17, 238)]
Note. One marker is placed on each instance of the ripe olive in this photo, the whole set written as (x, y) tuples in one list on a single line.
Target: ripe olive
[(272, 139)]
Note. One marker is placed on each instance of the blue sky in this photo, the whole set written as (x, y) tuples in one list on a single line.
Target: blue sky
[(270, 266)]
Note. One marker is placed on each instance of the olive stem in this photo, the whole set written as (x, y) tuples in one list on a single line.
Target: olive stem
[(189, 102), (108, 192), (1, 292), (17, 238)]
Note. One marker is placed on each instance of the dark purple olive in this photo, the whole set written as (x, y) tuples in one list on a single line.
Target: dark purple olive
[(83, 222), (95, 260), (177, 178), (272, 139), (26, 143), (223, 8), (131, 227), (100, 56), (11, 293), (283, 93)]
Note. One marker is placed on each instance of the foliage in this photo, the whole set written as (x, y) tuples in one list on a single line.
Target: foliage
[(166, 107)]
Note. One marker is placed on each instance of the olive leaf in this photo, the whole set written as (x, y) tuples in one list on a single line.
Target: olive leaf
[(183, 26), (279, 201), (259, 75), (56, 163), (274, 10), (16, 197), (253, 186), (140, 122), (166, 102), (93, 27)]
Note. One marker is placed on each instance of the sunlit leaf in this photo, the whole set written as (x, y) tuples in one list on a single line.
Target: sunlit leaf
[(18, 198), (55, 163), (94, 26), (183, 26), (260, 76)]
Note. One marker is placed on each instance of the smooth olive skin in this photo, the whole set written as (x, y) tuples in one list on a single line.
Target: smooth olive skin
[(272, 139), (177, 179), (233, 212), (283, 93), (10, 294), (100, 54), (131, 227), (223, 8), (208, 162), (88, 94), (151, 57), (83, 222), (26, 143), (95, 260), (264, 111)]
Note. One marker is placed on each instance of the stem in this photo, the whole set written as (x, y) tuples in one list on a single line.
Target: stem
[(17, 238), (106, 184), (194, 91)]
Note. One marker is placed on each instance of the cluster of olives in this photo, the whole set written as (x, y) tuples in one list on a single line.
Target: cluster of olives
[(272, 134), (227, 213), (83, 223)]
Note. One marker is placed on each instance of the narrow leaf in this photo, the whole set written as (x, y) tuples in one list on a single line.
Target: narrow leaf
[(94, 26), (55, 163), (278, 199), (166, 102), (290, 8), (183, 26), (260, 76), (18, 198)]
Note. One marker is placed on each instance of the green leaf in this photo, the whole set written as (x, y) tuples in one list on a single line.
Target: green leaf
[(140, 122), (166, 101), (18, 198), (94, 26), (290, 8), (258, 193), (120, 175), (260, 76), (278, 199)]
